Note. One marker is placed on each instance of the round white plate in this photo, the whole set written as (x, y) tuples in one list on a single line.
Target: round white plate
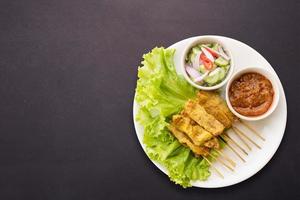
[(271, 128)]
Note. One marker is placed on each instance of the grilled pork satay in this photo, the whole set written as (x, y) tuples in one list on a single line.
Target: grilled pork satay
[(212, 143), (205, 120), (195, 132), (216, 106), (213, 99), (183, 139)]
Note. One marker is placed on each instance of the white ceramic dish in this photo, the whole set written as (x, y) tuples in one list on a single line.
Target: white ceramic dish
[(205, 40), (269, 75), (272, 128)]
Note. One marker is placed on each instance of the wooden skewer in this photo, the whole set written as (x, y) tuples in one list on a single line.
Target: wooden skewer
[(253, 130), (226, 157), (244, 135), (242, 139), (218, 172), (222, 162), (233, 163), (234, 142), (232, 149)]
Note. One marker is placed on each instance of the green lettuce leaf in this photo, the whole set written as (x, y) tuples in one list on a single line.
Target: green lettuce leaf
[(160, 93)]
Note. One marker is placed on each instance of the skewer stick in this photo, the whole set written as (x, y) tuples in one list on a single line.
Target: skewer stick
[(222, 162), (234, 142), (244, 135), (242, 139), (253, 130), (218, 172), (232, 149), (226, 157)]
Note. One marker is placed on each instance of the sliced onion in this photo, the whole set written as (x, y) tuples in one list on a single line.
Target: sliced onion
[(196, 61), (199, 79), (194, 74), (216, 52), (222, 53), (208, 55)]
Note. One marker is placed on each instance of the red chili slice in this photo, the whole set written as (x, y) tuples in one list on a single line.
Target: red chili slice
[(206, 62)]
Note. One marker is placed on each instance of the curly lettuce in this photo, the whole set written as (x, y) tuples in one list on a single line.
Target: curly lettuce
[(160, 93)]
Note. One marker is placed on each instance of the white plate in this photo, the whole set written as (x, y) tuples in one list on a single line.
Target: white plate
[(272, 128)]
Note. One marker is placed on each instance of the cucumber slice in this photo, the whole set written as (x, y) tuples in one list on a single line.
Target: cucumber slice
[(215, 77), (215, 46), (191, 57), (192, 54), (222, 74), (226, 68), (209, 45), (221, 62), (196, 49), (202, 69)]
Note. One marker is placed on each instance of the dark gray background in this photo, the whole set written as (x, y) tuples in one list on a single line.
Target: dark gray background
[(67, 79)]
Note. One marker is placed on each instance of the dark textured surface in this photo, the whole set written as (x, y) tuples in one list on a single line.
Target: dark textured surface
[(67, 80)]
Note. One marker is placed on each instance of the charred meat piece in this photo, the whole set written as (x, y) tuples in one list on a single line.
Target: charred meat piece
[(183, 139), (196, 133), (212, 143), (197, 112), (216, 106)]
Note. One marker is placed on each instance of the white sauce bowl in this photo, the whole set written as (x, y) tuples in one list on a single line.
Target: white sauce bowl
[(274, 83)]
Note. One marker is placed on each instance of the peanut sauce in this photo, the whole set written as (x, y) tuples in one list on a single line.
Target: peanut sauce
[(251, 94)]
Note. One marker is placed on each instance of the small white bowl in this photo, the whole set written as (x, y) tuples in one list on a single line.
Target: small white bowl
[(205, 40), (273, 81)]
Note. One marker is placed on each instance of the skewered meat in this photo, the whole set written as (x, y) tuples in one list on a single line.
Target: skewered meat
[(216, 106), (196, 133), (201, 121), (212, 143), (183, 139), (205, 120)]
